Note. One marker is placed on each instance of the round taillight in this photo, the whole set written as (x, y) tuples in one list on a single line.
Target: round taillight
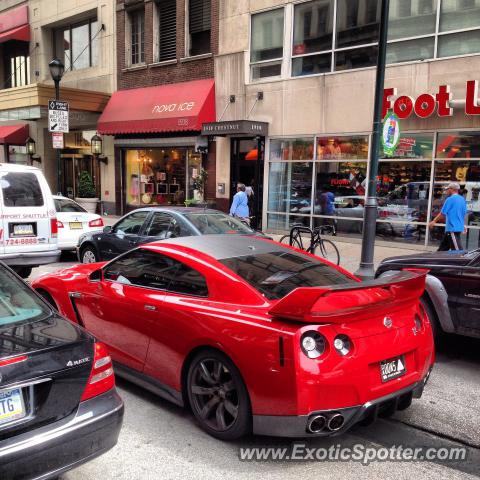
[(342, 345), (313, 344)]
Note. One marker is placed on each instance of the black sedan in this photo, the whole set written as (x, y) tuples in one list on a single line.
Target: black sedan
[(58, 402), (452, 295), (150, 224)]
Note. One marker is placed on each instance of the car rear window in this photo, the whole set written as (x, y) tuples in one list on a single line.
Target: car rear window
[(277, 273), (17, 302), (65, 205), (217, 223), (21, 190)]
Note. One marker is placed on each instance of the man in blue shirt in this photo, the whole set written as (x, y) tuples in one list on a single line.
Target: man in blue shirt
[(239, 206), (453, 211)]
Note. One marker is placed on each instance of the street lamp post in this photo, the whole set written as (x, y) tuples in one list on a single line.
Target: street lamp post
[(366, 269), (97, 147), (57, 68)]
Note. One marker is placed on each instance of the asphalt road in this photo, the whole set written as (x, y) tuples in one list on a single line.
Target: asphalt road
[(160, 440)]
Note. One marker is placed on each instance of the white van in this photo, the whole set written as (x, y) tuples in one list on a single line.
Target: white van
[(28, 223)]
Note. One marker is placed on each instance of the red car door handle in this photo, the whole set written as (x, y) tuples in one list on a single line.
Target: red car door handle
[(151, 308)]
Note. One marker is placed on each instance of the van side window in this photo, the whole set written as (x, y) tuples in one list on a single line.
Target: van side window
[(21, 190)]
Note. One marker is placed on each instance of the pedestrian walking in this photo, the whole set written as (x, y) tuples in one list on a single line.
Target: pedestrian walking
[(239, 206), (453, 214)]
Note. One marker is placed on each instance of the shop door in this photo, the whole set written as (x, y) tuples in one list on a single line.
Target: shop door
[(247, 159), (68, 178), (72, 166)]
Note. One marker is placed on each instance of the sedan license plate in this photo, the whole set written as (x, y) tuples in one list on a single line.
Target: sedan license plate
[(76, 225), (392, 368), (11, 405), (22, 229)]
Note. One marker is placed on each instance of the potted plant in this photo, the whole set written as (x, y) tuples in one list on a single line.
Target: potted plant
[(87, 195), (199, 185)]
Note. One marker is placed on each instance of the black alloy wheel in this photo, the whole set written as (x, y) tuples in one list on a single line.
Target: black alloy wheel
[(218, 397)]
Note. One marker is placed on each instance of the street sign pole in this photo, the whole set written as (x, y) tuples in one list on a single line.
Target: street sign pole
[(366, 269), (59, 158)]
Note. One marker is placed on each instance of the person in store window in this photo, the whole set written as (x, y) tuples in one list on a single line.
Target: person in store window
[(239, 206), (453, 212)]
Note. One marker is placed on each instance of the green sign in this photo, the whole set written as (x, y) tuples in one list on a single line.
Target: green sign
[(390, 134)]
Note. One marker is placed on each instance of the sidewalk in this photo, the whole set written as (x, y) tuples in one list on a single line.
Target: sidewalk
[(349, 252)]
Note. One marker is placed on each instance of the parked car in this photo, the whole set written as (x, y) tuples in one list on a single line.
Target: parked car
[(252, 334), (156, 223), (58, 404), (28, 223), (452, 291), (73, 221)]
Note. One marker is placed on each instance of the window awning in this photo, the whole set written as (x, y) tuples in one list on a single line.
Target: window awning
[(14, 25), (14, 134), (167, 108)]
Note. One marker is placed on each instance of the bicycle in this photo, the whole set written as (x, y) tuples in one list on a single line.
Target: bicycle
[(317, 244)]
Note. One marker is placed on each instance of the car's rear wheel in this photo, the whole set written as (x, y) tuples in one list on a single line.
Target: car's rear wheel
[(89, 255), (218, 396)]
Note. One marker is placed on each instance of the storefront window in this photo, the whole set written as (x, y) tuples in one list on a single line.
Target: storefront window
[(291, 149), (342, 148), (157, 176), (413, 145), (458, 145), (18, 154)]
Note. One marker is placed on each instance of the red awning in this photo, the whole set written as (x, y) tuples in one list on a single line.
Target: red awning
[(14, 134), (167, 108), (14, 25)]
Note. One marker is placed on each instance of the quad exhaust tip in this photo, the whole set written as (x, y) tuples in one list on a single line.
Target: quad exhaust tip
[(316, 424), (336, 422)]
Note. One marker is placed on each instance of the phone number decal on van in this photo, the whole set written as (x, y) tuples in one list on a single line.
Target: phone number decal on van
[(20, 241)]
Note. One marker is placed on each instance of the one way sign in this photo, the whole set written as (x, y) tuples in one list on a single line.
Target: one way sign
[(57, 116)]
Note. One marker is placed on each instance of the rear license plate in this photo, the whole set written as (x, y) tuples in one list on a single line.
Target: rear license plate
[(76, 225), (11, 405), (23, 229), (392, 368)]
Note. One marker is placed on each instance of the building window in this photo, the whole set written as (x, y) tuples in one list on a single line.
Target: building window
[(199, 27), (266, 54), (137, 36), (77, 45), (16, 61), (167, 26)]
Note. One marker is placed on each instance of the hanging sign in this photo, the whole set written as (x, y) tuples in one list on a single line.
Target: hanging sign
[(390, 134)]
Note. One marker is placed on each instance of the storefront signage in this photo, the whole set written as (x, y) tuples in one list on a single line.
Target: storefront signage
[(236, 127), (390, 134), (426, 104), (173, 107), (57, 140), (57, 116)]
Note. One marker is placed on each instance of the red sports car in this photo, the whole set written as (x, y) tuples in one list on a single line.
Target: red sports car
[(254, 335)]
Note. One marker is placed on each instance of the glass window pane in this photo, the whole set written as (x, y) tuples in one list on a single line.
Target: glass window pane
[(311, 65), (409, 18), (458, 14), (459, 44), (458, 145), (283, 223), (357, 58), (291, 149), (413, 145), (342, 148), (267, 35), (94, 38), (80, 47), (21, 190), (313, 25), (357, 22), (411, 50), (265, 70), (290, 187)]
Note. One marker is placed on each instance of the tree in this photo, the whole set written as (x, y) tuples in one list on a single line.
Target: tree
[(86, 188)]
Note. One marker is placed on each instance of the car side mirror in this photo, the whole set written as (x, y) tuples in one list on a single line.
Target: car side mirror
[(107, 229), (95, 276)]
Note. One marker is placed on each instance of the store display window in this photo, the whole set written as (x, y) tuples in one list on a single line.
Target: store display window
[(458, 145), (342, 148), (413, 146), (291, 149)]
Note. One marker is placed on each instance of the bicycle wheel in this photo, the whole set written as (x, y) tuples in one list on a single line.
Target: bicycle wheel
[(327, 249), (286, 241)]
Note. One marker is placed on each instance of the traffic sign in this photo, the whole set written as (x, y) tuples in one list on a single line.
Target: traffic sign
[(57, 140), (57, 116)]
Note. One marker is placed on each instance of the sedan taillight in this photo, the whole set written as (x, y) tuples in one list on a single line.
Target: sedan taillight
[(98, 222), (101, 377), (54, 227), (59, 224)]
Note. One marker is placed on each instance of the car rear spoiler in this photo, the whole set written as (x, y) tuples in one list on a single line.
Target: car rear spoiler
[(336, 304)]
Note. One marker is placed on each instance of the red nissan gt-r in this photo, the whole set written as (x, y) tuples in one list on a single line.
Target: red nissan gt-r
[(253, 335)]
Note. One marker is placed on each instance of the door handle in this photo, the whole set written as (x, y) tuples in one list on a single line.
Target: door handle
[(150, 308), (75, 295)]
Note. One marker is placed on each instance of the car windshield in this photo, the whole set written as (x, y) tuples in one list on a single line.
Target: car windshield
[(217, 223), (64, 205), (277, 273), (17, 302)]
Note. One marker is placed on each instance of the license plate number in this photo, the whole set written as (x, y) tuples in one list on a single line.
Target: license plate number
[(11, 406), (392, 368), (76, 225), (23, 229)]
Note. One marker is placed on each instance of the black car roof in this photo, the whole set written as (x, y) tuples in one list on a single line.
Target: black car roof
[(225, 246)]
